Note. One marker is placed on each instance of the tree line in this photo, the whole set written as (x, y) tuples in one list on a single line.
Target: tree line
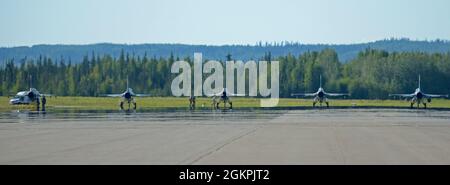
[(245, 52), (373, 74)]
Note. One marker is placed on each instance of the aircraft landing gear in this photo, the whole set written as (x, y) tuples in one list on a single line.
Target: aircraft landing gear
[(216, 104), (328, 105), (424, 105), (129, 105)]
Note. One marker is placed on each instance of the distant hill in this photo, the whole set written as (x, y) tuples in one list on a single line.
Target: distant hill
[(346, 52)]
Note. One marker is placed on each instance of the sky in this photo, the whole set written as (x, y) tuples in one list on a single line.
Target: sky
[(219, 22)]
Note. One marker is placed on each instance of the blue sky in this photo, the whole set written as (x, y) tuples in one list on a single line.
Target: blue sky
[(214, 22)]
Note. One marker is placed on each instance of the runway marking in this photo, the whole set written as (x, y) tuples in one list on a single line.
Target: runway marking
[(216, 148)]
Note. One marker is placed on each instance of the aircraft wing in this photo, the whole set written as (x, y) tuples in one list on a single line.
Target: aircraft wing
[(337, 94), (436, 95), (111, 95), (231, 94), (142, 95), (47, 95), (403, 95), (228, 94), (303, 94), (217, 94)]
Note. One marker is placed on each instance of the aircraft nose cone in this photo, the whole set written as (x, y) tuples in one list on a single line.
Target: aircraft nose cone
[(127, 95), (320, 94), (419, 95)]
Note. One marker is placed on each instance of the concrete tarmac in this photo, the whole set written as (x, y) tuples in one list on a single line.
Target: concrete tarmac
[(326, 136)]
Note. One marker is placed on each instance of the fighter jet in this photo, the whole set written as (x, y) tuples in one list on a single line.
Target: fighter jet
[(320, 96), (127, 97), (27, 97), (223, 97), (418, 97)]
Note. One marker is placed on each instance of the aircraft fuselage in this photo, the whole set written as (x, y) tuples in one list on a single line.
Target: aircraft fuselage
[(419, 98), (320, 98)]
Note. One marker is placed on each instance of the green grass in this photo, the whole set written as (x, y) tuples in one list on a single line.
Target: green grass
[(106, 103)]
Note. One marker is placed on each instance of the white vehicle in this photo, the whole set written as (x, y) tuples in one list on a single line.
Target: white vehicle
[(27, 97)]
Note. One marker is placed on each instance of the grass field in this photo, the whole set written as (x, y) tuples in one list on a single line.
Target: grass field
[(106, 103)]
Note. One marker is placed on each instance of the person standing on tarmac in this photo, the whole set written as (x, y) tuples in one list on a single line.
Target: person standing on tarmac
[(38, 103), (44, 101)]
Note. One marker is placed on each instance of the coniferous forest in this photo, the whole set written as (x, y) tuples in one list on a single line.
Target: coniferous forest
[(372, 74)]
